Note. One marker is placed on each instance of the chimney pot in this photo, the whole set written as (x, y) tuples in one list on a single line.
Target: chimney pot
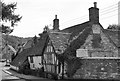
[(55, 16), (95, 4)]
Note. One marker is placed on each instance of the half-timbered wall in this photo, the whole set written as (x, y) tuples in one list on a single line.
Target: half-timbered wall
[(50, 61)]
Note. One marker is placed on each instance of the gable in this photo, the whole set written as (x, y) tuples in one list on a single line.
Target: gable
[(37, 49), (114, 36), (59, 41), (49, 48), (77, 42), (99, 44)]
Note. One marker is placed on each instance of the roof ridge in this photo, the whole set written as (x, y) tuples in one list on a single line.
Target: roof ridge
[(75, 25)]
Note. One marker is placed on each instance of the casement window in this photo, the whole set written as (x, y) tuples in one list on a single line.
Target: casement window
[(31, 59), (49, 49)]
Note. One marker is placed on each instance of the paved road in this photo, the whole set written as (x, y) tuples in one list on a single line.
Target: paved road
[(4, 76), (9, 75)]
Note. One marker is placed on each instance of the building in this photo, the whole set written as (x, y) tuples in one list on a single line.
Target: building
[(93, 52), (85, 50), (56, 45), (7, 52), (20, 60)]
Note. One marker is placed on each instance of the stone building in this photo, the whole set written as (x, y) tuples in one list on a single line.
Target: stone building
[(84, 51), (93, 52)]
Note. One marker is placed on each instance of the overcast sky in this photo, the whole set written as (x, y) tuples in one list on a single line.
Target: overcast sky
[(38, 13)]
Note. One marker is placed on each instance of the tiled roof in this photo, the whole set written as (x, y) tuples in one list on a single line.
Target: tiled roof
[(21, 57), (37, 49), (7, 51), (28, 44), (78, 27), (77, 42), (114, 36), (77, 31), (59, 41)]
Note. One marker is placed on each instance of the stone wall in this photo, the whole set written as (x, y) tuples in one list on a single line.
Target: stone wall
[(104, 48), (1, 45), (98, 69)]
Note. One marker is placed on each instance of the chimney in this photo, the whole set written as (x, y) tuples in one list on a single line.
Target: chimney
[(94, 14), (119, 13), (56, 23)]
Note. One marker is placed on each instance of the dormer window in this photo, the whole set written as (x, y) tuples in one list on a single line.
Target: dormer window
[(96, 29)]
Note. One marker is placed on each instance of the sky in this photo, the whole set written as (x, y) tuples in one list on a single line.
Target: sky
[(38, 13)]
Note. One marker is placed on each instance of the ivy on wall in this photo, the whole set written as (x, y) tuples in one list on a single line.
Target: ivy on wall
[(74, 63), (96, 41)]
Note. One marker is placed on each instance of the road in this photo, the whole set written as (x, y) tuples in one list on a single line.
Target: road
[(4, 76)]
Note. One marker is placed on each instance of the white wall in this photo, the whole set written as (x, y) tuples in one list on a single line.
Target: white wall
[(37, 62), (14, 67)]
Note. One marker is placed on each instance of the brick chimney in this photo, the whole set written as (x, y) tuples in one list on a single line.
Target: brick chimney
[(94, 13), (56, 23)]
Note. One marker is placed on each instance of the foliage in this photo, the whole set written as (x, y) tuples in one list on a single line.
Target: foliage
[(77, 43), (6, 29), (8, 15), (114, 27), (73, 65), (69, 56), (14, 40)]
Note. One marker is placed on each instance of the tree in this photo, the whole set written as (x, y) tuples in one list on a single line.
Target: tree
[(8, 16), (114, 27)]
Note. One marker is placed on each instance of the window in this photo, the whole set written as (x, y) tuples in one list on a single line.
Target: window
[(49, 49), (31, 59)]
